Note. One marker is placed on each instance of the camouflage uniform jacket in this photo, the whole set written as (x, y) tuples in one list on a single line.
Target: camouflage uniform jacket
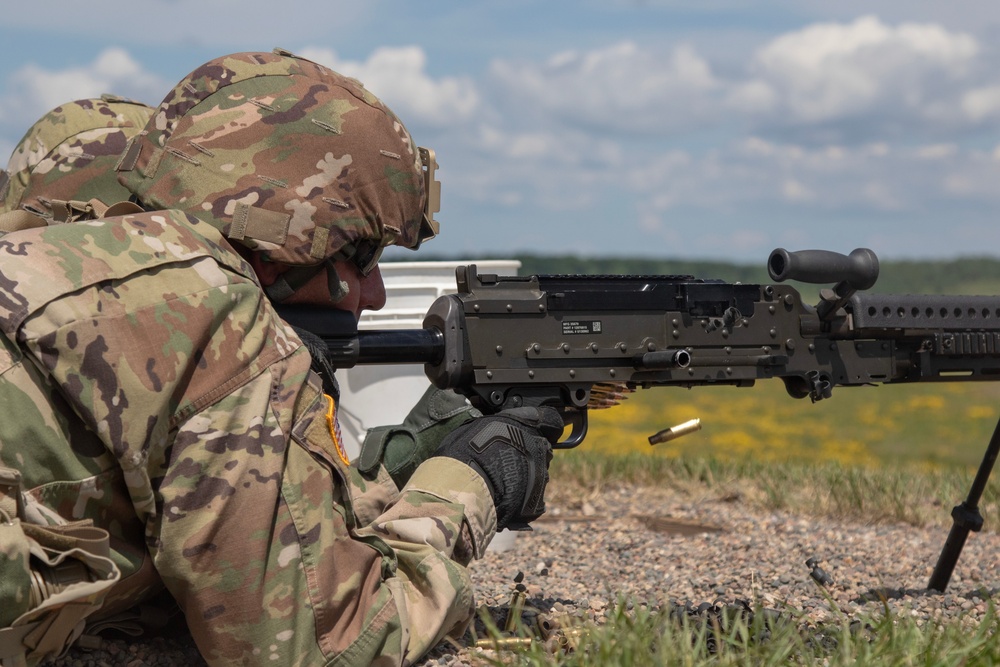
[(148, 385)]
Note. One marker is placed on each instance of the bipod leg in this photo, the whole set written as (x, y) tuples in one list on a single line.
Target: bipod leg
[(966, 518)]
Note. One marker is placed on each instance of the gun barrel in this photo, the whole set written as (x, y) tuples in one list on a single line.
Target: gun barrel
[(859, 269), (403, 346)]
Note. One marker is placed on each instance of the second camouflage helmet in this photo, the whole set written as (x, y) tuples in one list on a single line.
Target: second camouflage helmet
[(70, 154), (284, 156)]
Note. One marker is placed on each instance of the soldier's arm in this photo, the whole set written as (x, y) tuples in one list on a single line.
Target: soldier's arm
[(441, 519)]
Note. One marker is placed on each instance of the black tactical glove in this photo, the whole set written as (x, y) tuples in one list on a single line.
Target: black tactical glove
[(511, 450), (320, 362), (403, 447)]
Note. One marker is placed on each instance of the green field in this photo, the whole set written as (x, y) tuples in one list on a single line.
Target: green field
[(868, 454), (941, 424)]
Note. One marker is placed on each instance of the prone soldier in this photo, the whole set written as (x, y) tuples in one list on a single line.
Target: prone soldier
[(155, 393)]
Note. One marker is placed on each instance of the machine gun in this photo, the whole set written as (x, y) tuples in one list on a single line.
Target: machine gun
[(573, 341)]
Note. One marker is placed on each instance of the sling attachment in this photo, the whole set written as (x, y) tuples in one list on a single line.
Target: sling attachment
[(93, 209), (73, 210), (58, 576), (16, 220)]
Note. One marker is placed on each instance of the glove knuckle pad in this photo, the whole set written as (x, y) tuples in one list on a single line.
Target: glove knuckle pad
[(513, 456)]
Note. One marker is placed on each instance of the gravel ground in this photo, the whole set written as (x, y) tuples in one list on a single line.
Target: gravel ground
[(657, 545)]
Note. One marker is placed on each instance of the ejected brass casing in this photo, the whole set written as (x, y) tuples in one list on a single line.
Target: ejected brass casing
[(514, 610), (675, 432), (504, 642)]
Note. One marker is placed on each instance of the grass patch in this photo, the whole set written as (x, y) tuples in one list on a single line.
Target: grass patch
[(903, 454), (909, 494), (640, 637), (928, 425)]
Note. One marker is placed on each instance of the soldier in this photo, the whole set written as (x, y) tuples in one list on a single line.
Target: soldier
[(70, 154), (152, 390)]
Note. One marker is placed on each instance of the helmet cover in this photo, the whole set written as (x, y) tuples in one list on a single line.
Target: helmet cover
[(70, 153), (283, 155)]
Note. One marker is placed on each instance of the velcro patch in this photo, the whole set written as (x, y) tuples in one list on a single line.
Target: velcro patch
[(250, 222), (321, 236), (130, 155)]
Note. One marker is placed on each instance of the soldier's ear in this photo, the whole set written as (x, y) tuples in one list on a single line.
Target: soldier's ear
[(267, 272)]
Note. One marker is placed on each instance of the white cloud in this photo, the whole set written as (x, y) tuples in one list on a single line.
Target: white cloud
[(877, 149), (551, 146), (982, 103), (620, 88), (33, 90), (757, 175), (880, 196), (815, 48), (793, 190), (937, 151), (832, 72), (853, 120), (224, 25), (734, 202), (399, 77), (848, 83)]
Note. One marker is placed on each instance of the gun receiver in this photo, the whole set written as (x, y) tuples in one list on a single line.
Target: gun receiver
[(574, 342)]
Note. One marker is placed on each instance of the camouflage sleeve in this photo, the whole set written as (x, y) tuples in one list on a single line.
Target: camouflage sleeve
[(442, 518), (261, 543), (228, 453)]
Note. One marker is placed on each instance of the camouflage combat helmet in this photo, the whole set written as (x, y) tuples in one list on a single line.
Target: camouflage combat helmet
[(70, 154), (288, 158)]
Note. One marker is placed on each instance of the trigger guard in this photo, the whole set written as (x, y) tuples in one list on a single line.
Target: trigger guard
[(576, 436)]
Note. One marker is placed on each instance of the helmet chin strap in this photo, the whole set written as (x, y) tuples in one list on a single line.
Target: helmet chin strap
[(286, 284), (339, 289)]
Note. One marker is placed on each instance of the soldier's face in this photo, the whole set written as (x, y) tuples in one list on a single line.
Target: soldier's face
[(364, 292)]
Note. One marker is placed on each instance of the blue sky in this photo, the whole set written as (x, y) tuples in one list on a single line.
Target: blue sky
[(691, 129)]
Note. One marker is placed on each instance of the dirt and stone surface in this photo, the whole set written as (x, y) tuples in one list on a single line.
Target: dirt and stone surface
[(655, 545)]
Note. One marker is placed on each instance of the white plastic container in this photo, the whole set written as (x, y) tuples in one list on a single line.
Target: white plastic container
[(383, 394), (377, 395)]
